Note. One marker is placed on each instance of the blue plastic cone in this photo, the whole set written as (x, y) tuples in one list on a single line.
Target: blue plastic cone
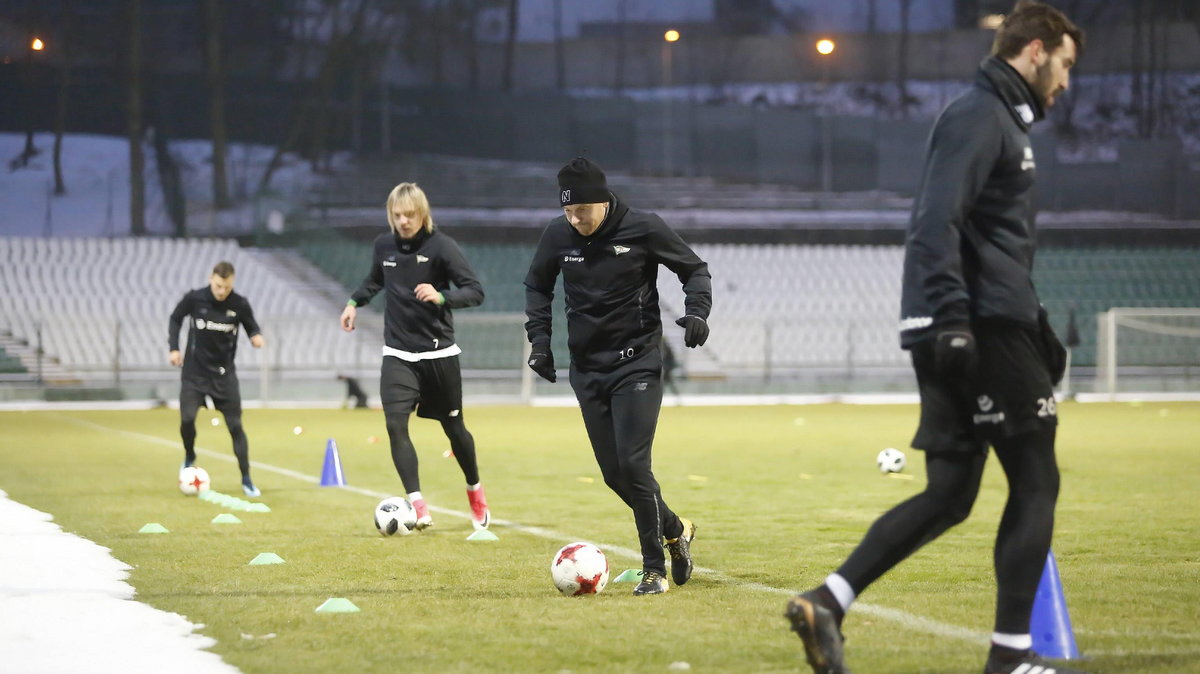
[(331, 474), (1050, 625)]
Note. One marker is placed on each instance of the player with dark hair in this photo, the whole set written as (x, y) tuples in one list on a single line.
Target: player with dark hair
[(985, 357), (215, 314), (609, 255), (424, 275)]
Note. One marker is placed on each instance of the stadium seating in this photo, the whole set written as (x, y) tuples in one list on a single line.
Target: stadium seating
[(99, 303), (1095, 279)]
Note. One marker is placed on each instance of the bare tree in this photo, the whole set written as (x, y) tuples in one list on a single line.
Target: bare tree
[(309, 115), (622, 44), (64, 83), (471, 43), (902, 58), (215, 74), (560, 66), (133, 117), (510, 44)]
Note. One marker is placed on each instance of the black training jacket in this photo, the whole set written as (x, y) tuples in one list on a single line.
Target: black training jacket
[(970, 243), (398, 267), (610, 282), (212, 332)]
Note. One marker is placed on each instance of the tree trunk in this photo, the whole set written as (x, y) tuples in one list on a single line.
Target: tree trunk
[(216, 102), (560, 65), (64, 83), (473, 43), (510, 45), (133, 117), (438, 21), (902, 59), (622, 15)]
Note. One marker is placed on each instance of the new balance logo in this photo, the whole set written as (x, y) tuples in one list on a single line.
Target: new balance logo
[(566, 196), (422, 258), (617, 250)]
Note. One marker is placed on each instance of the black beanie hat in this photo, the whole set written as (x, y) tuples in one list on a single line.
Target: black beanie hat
[(582, 182)]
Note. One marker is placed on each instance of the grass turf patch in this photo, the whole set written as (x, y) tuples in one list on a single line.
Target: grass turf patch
[(781, 495)]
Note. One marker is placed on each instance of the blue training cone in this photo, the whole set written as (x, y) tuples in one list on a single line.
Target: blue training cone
[(331, 473), (1050, 625)]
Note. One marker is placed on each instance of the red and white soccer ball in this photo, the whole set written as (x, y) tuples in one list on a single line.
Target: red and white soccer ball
[(395, 516), (579, 568), (193, 480)]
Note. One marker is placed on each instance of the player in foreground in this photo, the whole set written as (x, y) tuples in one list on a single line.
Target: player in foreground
[(985, 358), (214, 315), (608, 255), (415, 265)]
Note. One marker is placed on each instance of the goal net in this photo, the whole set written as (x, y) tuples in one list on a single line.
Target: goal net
[(1147, 349)]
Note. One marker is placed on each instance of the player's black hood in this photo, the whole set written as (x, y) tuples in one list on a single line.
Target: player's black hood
[(1024, 104)]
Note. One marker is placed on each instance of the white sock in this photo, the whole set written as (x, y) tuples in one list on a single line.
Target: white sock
[(841, 590), (414, 496), (1019, 642), (475, 487)]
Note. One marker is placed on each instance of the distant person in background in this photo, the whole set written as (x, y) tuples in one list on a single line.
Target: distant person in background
[(354, 391), (424, 275), (609, 256), (215, 315), (985, 357)]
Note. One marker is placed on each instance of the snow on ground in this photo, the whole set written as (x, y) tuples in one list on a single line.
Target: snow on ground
[(96, 176), (65, 607)]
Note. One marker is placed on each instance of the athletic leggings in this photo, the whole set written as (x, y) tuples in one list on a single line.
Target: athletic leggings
[(1023, 539), (404, 455), (233, 420)]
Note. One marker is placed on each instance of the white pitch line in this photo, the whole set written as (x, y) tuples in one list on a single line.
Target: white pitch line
[(902, 618)]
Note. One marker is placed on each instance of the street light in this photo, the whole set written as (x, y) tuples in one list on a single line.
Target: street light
[(825, 47), (37, 44), (669, 38)]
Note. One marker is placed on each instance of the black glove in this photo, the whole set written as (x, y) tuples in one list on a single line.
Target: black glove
[(541, 361), (954, 352), (695, 331), (1053, 350)]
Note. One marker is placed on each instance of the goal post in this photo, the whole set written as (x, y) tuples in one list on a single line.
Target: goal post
[(1159, 343)]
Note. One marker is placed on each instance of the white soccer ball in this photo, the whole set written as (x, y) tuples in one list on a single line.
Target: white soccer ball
[(395, 516), (193, 480), (579, 568), (890, 460)]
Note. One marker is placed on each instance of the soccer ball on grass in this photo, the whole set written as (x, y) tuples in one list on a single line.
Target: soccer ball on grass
[(395, 515), (193, 480), (890, 460), (579, 568)]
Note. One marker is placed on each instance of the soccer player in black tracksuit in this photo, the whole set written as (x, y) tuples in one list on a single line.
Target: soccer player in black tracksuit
[(985, 358), (214, 315), (415, 265), (609, 255)]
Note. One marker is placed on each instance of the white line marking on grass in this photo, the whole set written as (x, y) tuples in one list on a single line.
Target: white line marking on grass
[(905, 619)]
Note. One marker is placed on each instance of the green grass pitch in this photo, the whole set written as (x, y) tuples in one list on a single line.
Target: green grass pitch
[(780, 494)]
